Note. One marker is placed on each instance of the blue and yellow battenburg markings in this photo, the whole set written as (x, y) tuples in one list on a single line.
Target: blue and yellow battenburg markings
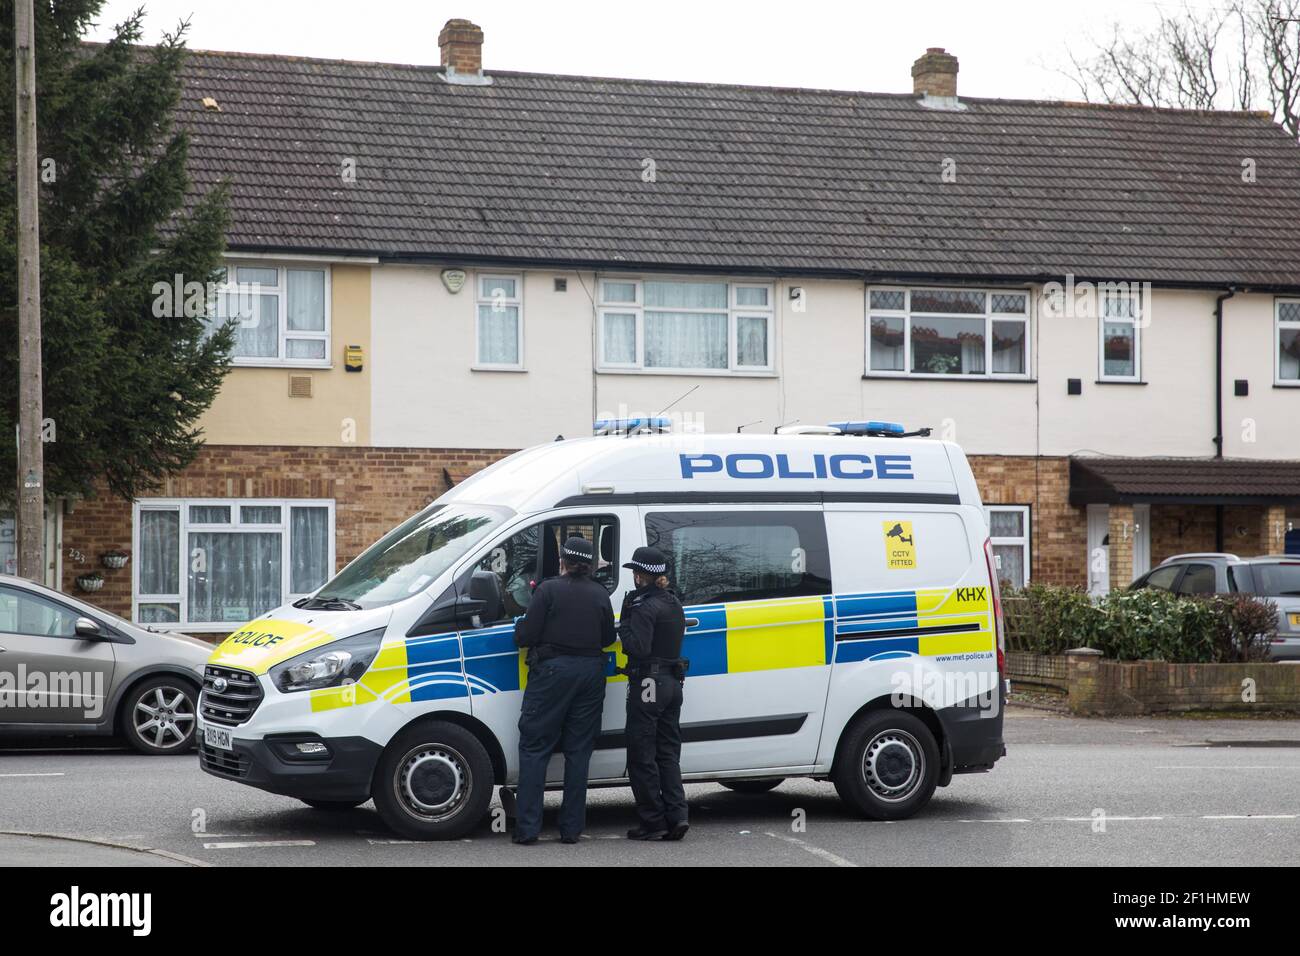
[(725, 639)]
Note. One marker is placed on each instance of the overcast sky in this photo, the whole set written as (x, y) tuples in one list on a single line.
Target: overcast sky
[(1007, 48)]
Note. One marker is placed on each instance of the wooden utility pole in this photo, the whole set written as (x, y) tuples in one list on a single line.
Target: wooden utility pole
[(31, 458)]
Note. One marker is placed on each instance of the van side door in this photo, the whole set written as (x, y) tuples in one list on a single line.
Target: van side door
[(913, 608), (755, 582)]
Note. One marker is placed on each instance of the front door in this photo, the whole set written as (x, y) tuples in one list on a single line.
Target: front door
[(1098, 550), (48, 673)]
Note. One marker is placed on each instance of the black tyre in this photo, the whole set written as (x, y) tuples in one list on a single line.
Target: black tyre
[(888, 765), (434, 782), (333, 804), (158, 715), (753, 786)]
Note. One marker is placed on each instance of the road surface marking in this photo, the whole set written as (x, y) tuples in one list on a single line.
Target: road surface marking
[(1101, 816), (1013, 820), (1251, 816), (31, 775), (816, 851), (257, 844), (1262, 766)]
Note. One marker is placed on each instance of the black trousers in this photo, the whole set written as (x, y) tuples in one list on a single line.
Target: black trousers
[(654, 750), (562, 705)]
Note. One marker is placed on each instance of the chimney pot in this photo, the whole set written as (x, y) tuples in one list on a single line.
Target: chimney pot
[(935, 74), (461, 43)]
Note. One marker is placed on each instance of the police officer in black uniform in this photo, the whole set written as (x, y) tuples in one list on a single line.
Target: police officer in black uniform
[(568, 622), (651, 626)]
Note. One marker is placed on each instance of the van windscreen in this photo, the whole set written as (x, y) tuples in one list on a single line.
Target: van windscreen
[(411, 557)]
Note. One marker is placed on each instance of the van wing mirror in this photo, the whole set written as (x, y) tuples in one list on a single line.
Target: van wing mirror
[(485, 587)]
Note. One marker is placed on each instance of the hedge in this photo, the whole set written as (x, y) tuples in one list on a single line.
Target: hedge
[(1140, 625)]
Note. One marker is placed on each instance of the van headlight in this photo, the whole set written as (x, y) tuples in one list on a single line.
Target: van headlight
[(330, 665)]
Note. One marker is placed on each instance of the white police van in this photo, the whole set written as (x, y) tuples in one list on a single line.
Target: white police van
[(843, 623)]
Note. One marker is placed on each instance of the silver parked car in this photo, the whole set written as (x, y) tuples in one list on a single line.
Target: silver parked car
[(67, 667), (1275, 577)]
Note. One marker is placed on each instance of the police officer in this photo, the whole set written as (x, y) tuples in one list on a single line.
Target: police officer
[(568, 622), (651, 626)]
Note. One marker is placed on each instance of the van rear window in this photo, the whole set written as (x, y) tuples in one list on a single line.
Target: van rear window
[(719, 556)]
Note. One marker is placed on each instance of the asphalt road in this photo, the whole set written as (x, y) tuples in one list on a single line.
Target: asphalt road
[(1083, 792)]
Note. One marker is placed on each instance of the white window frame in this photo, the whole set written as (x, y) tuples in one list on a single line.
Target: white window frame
[(1024, 541), (281, 289), (734, 312), (517, 301), (988, 315), (236, 526), (1278, 325), (1135, 321)]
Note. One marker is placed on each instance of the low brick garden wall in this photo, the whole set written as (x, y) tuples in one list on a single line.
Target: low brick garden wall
[(1098, 687)]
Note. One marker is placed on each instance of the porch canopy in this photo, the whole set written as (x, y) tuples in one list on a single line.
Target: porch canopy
[(1194, 481)]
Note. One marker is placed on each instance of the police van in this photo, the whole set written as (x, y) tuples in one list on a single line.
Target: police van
[(842, 611)]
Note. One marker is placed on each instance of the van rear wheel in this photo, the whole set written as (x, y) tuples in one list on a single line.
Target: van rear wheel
[(434, 782), (753, 786), (888, 765)]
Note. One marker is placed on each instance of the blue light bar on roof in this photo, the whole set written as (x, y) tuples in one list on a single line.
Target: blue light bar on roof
[(632, 426), (868, 428)]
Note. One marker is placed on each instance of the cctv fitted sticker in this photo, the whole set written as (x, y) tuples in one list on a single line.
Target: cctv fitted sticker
[(900, 545)]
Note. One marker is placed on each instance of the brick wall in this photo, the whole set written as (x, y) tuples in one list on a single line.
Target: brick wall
[(1106, 688), (1058, 531), (373, 489)]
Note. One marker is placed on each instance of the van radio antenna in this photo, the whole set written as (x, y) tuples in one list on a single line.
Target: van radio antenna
[(678, 399)]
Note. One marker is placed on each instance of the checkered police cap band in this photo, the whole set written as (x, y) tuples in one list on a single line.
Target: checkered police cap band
[(580, 555), (650, 568)]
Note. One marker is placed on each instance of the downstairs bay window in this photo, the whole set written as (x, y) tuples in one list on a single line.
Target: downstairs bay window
[(213, 564), (966, 333)]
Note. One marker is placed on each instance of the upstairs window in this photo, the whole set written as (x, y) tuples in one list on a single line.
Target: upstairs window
[(1287, 341), (686, 326), (967, 333), (282, 314), (500, 323), (1120, 346)]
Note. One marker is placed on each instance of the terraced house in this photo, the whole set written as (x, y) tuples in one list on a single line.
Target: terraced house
[(1101, 304)]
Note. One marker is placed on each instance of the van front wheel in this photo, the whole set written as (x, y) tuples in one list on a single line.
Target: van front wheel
[(434, 782), (888, 765)]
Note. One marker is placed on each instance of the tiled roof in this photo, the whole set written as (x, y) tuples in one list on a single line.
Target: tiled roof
[(1185, 480), (536, 167)]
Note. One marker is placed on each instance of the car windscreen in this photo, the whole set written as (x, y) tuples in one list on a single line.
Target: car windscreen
[(1277, 580), (412, 556)]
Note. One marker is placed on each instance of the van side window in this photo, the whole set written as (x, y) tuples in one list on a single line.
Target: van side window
[(601, 529), (533, 554), (722, 556), (514, 562)]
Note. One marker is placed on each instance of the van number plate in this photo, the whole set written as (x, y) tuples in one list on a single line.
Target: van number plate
[(218, 737), (1295, 620)]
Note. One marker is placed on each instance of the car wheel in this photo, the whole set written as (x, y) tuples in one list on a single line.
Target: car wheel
[(888, 765), (158, 715), (434, 782), (333, 804), (753, 786)]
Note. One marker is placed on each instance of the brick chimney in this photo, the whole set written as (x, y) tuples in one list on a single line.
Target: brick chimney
[(461, 43), (935, 74)]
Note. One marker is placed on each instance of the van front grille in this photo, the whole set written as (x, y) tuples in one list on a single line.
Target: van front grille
[(235, 702), (224, 762)]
